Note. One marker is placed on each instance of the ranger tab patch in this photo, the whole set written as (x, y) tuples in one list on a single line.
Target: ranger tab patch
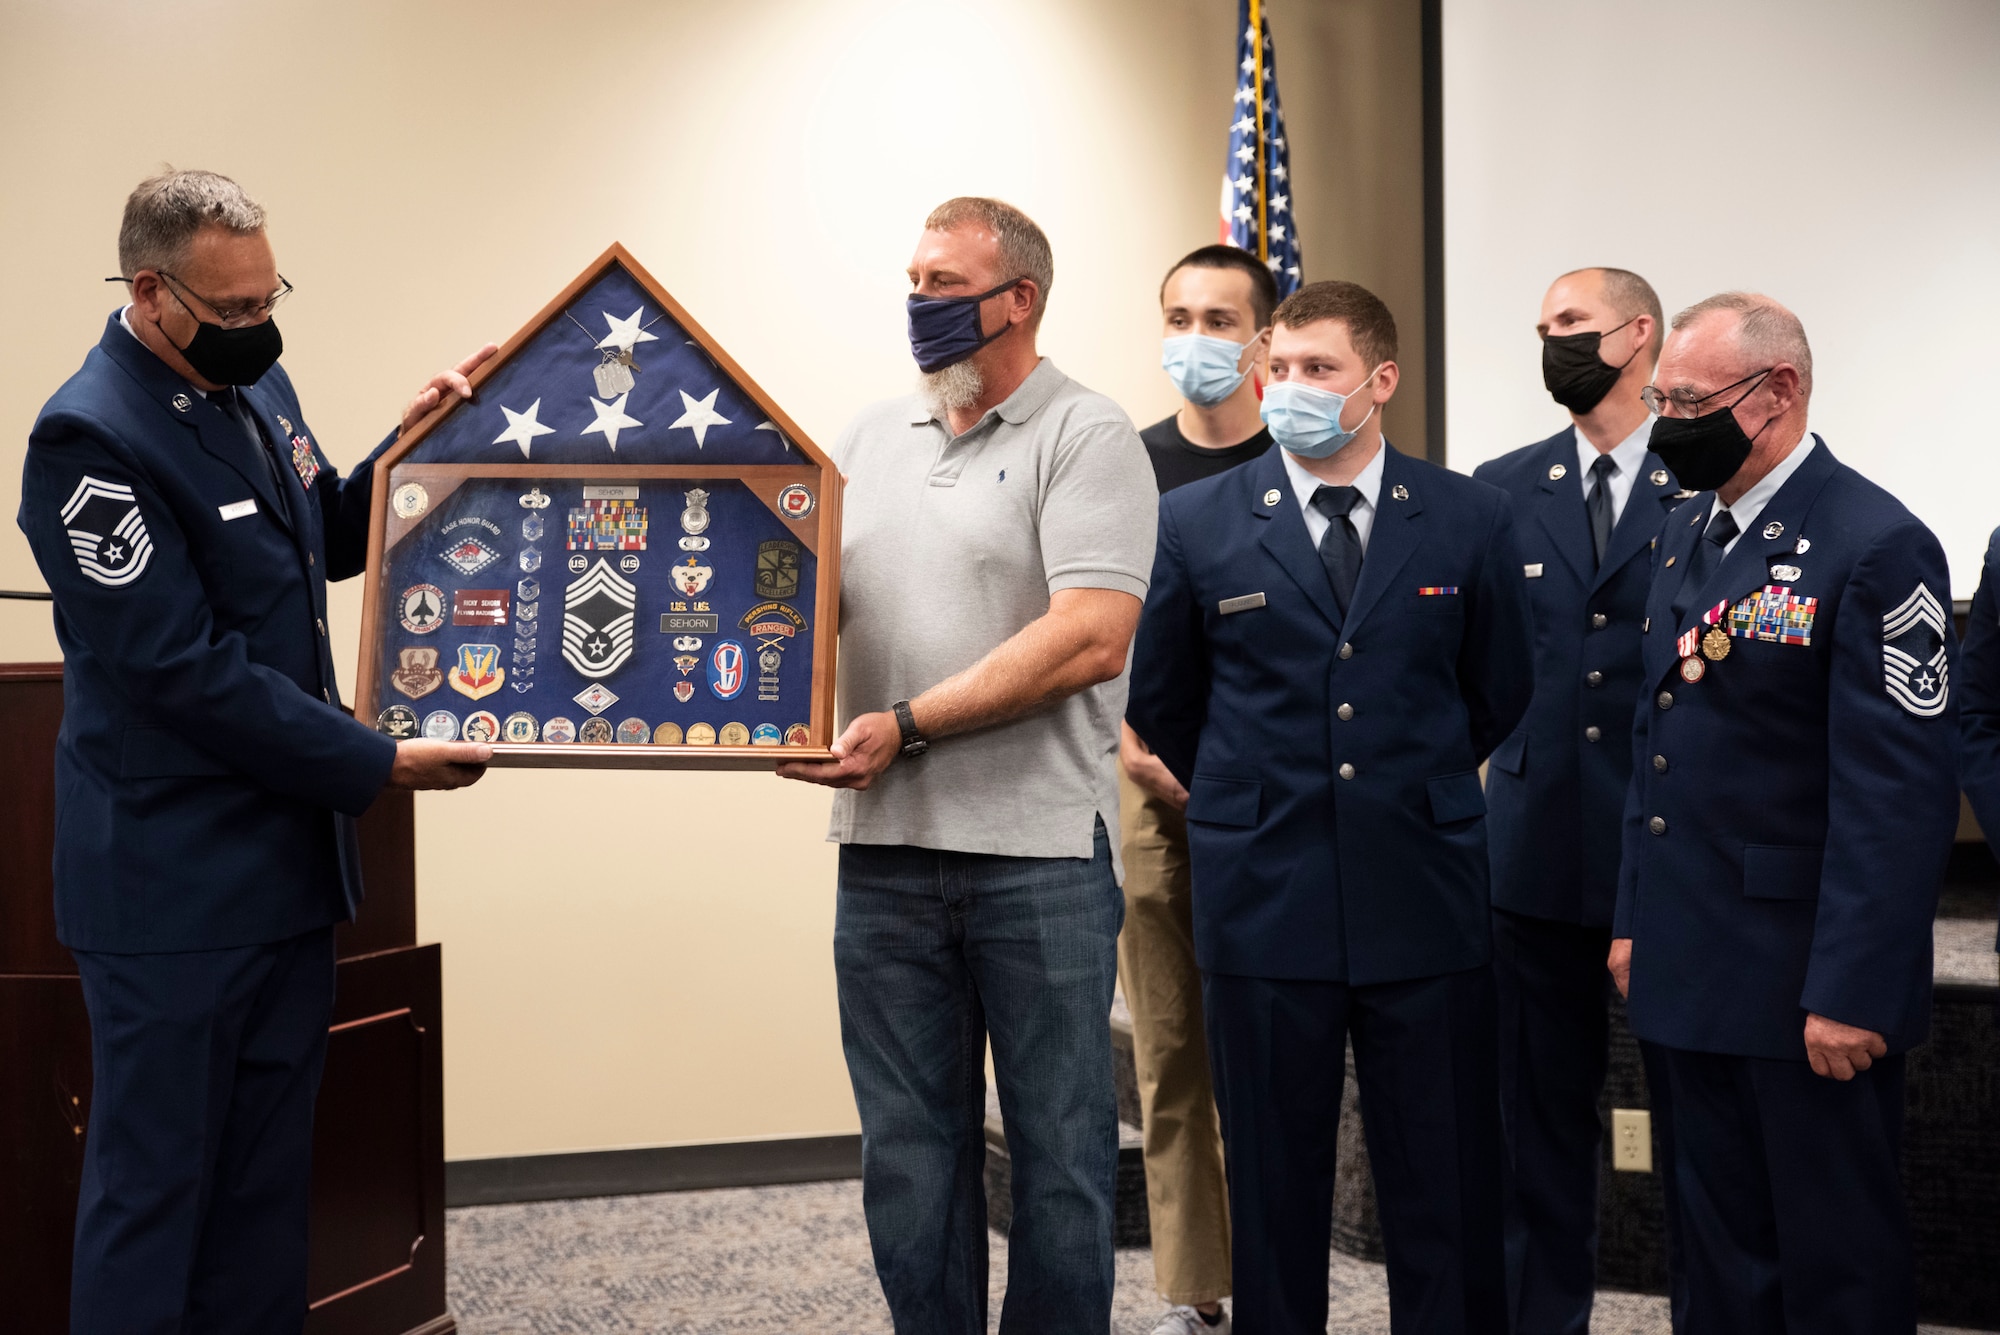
[(1915, 667)]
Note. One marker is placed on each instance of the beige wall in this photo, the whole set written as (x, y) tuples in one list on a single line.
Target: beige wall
[(644, 959)]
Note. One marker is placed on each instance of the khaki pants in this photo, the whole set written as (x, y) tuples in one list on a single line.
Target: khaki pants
[(1185, 1191)]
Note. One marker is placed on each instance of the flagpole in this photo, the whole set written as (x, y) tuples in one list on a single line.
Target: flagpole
[(1257, 114)]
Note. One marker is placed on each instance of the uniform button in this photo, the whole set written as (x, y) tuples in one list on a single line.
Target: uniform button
[(1666, 700), (1344, 713), (1593, 733), (1347, 771), (1658, 825), (321, 623), (1593, 678), (1659, 764), (1598, 620), (1347, 651)]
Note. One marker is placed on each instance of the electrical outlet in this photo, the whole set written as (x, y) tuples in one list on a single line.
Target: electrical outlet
[(1632, 1140)]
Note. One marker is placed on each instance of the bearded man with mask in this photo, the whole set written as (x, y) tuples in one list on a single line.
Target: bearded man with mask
[(1336, 636), (1589, 500), (207, 778), (1793, 801), (1216, 305), (997, 531)]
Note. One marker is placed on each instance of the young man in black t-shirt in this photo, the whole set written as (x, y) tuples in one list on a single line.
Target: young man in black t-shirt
[(1216, 305)]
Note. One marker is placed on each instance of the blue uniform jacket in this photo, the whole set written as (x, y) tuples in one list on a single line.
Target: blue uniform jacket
[(1791, 812), (1335, 820), (1555, 792), (205, 775), (1979, 699)]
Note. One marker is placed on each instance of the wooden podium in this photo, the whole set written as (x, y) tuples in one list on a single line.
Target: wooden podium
[(378, 1143)]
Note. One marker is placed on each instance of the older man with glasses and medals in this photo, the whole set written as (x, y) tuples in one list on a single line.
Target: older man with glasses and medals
[(207, 778), (1793, 801)]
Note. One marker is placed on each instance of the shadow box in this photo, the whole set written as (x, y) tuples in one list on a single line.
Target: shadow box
[(619, 553)]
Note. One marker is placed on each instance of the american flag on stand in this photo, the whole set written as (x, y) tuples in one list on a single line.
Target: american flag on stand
[(1256, 180)]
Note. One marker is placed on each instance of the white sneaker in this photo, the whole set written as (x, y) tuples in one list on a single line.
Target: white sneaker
[(1187, 1321)]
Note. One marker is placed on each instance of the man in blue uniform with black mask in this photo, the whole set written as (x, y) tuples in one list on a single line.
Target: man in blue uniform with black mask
[(1589, 501), (206, 775), (1793, 801)]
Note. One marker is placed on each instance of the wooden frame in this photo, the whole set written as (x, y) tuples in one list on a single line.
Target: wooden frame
[(818, 532)]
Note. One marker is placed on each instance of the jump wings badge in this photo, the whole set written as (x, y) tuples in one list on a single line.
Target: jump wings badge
[(478, 673), (1915, 667), (107, 532), (597, 621)]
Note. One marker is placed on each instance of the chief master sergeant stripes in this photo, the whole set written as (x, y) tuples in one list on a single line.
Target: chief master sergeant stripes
[(206, 777), (1793, 802)]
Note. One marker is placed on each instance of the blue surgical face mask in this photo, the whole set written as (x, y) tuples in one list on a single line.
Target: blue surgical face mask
[(945, 330), (1305, 420), (1204, 369)]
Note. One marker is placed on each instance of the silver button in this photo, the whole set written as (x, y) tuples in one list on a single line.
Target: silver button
[(1593, 678), (1593, 733), (1598, 620), (1347, 651), (322, 626), (1658, 825), (1347, 771), (1344, 713), (1659, 764), (1666, 700)]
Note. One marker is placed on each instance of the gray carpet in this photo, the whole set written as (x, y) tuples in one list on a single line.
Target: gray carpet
[(775, 1261)]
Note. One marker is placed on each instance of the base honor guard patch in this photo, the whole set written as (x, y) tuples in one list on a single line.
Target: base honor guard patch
[(1915, 667), (107, 532)]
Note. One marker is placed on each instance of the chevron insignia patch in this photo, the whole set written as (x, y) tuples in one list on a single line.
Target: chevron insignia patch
[(107, 532), (1914, 665), (597, 621)]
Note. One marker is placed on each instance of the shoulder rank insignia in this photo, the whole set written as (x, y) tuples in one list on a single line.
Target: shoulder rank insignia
[(1915, 667), (597, 621), (107, 532)]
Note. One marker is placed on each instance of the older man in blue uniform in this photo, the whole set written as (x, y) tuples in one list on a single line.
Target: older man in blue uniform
[(1589, 500), (1793, 801), (207, 779), (1336, 636)]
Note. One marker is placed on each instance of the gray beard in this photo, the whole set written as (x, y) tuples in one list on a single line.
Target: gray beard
[(956, 386)]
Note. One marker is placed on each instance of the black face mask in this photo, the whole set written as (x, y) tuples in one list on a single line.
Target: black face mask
[(1705, 451), (1575, 375), (232, 356)]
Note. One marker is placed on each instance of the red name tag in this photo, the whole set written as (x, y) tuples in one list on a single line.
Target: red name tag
[(479, 607)]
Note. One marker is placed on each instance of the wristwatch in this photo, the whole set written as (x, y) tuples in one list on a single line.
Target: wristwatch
[(914, 743)]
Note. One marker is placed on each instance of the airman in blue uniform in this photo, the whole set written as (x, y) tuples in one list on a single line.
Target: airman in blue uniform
[(207, 779), (1793, 801)]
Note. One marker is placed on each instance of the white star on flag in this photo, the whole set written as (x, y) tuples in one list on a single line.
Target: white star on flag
[(611, 419), (522, 428), (1279, 203), (773, 428), (625, 333), (700, 416)]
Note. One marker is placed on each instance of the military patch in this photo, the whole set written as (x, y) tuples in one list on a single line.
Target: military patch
[(478, 673), (766, 734), (1915, 666), (410, 500), (519, 728), (692, 578), (469, 556), (559, 731), (797, 735), (733, 734), (667, 734), (597, 621), (725, 670), (683, 691), (777, 569), (441, 725), (700, 734), (795, 501), (417, 674), (596, 697), (304, 462), (479, 607), (423, 608), (634, 732), (480, 726), (398, 721), (107, 532), (595, 732)]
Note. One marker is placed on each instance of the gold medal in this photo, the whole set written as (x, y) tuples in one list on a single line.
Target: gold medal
[(1693, 669), (1715, 644)]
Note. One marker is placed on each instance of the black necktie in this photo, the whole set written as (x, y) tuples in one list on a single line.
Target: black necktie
[(1702, 561), (1340, 546), (1598, 502), (232, 403)]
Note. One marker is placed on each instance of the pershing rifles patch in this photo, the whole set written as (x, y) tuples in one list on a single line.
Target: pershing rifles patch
[(1915, 667), (107, 532)]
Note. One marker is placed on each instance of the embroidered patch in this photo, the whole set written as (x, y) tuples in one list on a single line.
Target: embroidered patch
[(478, 673), (107, 532), (597, 621), (1915, 667)]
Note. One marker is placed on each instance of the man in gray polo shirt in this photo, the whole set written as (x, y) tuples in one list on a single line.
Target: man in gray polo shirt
[(997, 538)]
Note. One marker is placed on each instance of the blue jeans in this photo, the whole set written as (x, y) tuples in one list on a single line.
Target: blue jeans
[(935, 951)]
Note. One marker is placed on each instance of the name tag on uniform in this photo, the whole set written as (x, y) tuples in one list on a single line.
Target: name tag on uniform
[(1243, 604), (1533, 570), (238, 509)]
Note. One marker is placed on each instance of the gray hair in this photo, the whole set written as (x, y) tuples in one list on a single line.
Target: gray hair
[(1024, 248), (1765, 331), (165, 211)]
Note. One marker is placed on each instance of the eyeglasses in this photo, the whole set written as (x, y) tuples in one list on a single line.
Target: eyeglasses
[(1686, 403), (231, 316)]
